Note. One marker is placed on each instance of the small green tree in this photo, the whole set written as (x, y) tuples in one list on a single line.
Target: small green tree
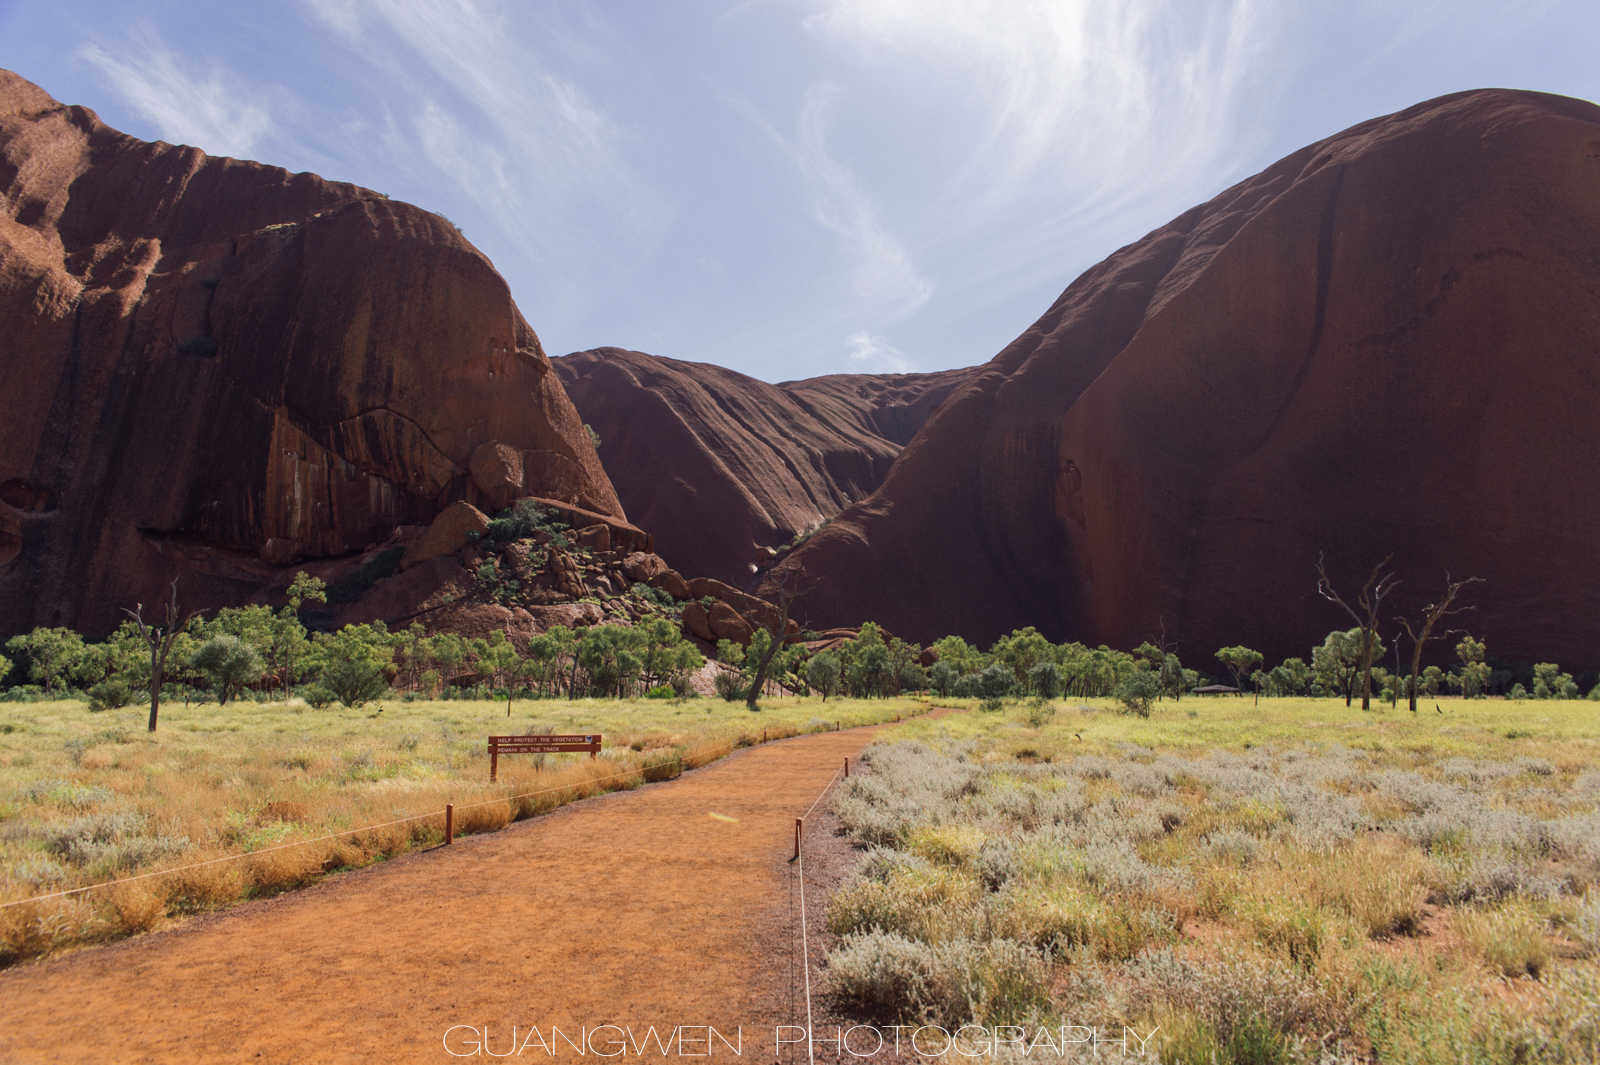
[(994, 682), (1550, 683), (959, 655), (1338, 662), (1044, 680), (1137, 691), (52, 653), (353, 663), (1021, 651), (1240, 661), (822, 674), (228, 662), (1474, 671)]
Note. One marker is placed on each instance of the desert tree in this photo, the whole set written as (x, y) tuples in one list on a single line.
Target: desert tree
[(1240, 662), (1475, 673), (229, 662), (776, 622), (822, 674), (52, 654), (1337, 661), (1422, 631), (160, 640), (304, 589), (1368, 604)]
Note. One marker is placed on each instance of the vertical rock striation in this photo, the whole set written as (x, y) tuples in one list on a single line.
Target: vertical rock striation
[(214, 369), (1386, 342)]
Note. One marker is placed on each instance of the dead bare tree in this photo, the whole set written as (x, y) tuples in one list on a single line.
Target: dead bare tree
[(160, 640), (776, 622), (1378, 586), (1431, 615)]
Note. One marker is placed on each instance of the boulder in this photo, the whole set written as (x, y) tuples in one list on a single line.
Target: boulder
[(448, 534), (672, 582), (758, 611), (572, 615), (727, 623), (697, 621), (415, 594), (594, 537), (504, 474), (643, 568)]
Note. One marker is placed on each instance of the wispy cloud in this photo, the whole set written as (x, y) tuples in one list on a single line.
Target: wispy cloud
[(874, 354), (208, 108), (881, 269), (487, 110), (1057, 117)]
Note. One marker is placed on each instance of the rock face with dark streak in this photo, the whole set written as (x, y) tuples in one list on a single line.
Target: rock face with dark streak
[(1387, 342), (213, 369), (721, 467)]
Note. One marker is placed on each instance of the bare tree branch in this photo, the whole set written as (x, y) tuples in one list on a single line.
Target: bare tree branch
[(160, 640), (1431, 615), (1379, 585)]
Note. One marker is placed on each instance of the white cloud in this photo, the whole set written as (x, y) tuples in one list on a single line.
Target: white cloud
[(488, 111), (882, 272), (1060, 118), (209, 109), (874, 354)]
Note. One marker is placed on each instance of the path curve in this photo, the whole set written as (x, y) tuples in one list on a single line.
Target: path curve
[(637, 908)]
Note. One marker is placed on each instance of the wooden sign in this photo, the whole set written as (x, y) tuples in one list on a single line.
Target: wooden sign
[(499, 745)]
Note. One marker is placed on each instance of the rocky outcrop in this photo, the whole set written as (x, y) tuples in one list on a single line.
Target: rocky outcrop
[(455, 527), (722, 468), (1383, 343), (215, 369)]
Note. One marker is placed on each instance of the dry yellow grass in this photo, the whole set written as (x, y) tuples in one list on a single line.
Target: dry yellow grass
[(91, 798)]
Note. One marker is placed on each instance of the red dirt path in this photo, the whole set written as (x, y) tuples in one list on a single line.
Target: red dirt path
[(635, 909)]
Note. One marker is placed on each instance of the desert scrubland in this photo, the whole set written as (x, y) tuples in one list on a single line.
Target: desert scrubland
[(1286, 880)]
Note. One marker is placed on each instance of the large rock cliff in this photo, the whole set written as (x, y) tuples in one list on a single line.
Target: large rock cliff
[(1386, 342), (723, 468), (214, 369)]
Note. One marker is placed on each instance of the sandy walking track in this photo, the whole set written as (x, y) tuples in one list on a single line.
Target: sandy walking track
[(635, 909)]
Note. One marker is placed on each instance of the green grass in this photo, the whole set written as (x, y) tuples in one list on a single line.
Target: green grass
[(88, 798), (1553, 729)]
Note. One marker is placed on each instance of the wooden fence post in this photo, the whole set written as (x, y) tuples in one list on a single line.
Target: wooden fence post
[(449, 823), (797, 823), (847, 767)]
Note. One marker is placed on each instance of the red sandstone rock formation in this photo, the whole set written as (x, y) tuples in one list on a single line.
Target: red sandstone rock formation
[(1386, 342), (721, 467), (214, 368)]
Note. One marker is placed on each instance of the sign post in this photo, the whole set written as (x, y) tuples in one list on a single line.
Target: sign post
[(499, 745)]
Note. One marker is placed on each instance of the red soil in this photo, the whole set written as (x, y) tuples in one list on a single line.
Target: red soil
[(635, 909)]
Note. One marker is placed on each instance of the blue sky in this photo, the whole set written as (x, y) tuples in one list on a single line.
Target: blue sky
[(785, 187)]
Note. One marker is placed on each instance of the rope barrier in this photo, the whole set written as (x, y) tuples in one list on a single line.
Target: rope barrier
[(800, 872), (638, 771)]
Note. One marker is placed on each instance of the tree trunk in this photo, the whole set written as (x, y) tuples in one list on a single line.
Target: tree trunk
[(760, 678), (157, 668), (1366, 671)]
